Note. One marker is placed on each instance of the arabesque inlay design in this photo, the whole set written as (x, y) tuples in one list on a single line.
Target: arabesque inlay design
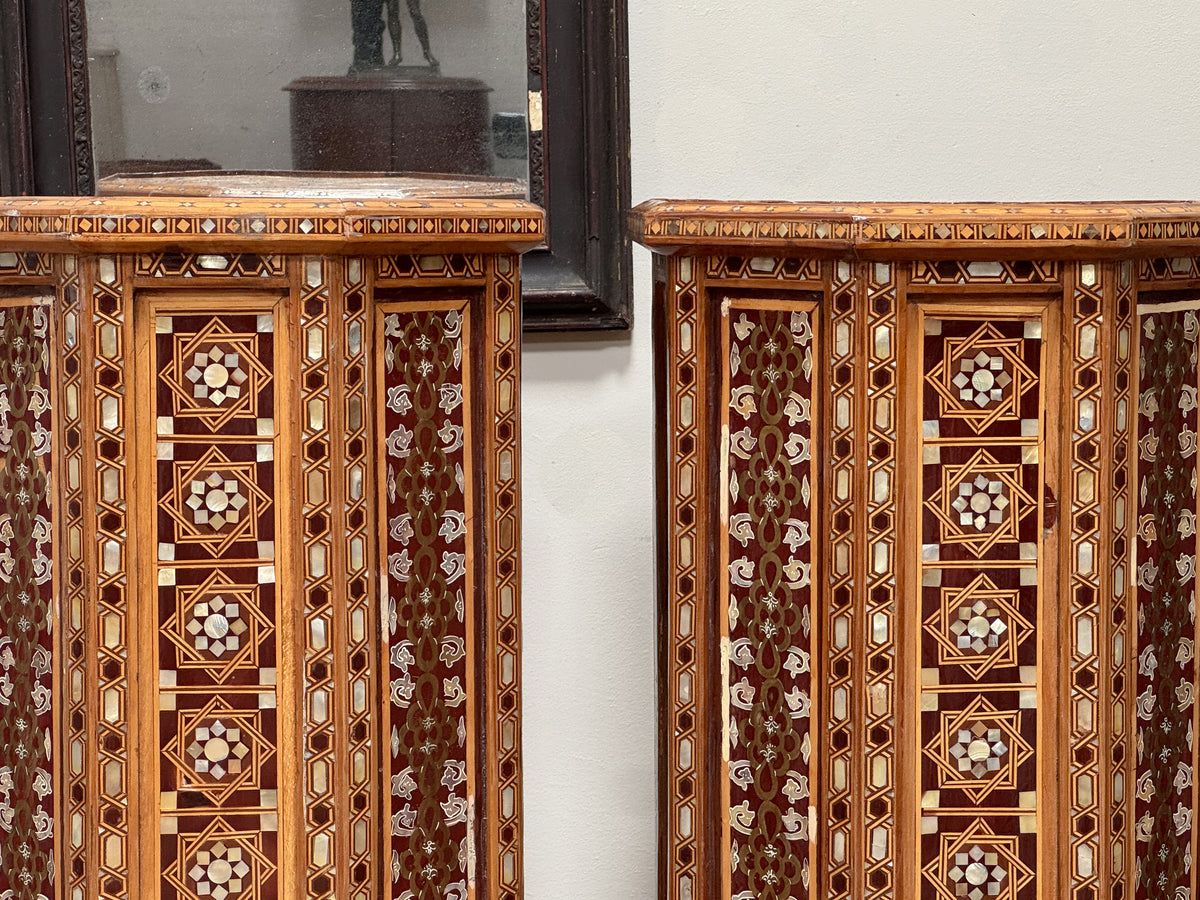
[(428, 598), (1166, 633), (768, 593), (27, 784)]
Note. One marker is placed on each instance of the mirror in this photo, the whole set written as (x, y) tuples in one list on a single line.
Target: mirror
[(574, 81), (311, 85)]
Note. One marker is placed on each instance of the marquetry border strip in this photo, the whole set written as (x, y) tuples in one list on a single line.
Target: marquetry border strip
[(878, 661), (174, 264), (1175, 268), (843, 704), (503, 585), (76, 760), (157, 219), (437, 267), (980, 272), (361, 620), (322, 668), (1077, 229), (775, 268), (684, 616), (1121, 413), (1085, 584), (25, 264), (443, 225), (110, 339)]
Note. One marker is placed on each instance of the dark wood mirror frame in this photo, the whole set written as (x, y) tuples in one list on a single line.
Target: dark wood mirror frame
[(578, 160)]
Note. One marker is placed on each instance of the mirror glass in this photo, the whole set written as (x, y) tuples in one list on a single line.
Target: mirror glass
[(309, 85)]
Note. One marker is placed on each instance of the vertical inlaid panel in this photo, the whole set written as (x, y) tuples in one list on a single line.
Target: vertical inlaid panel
[(27, 602), (360, 641), (76, 629), (1088, 468), (877, 664), (843, 706), (683, 615), (112, 589), (427, 597), (982, 446), (213, 396), (1165, 798), (502, 429), (767, 493), (1118, 606), (322, 588)]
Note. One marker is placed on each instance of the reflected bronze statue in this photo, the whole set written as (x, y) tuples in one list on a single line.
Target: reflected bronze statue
[(367, 23)]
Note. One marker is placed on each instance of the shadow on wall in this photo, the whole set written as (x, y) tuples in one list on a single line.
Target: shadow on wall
[(586, 356)]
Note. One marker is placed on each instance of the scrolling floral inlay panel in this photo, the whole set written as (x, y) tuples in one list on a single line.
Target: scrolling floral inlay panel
[(428, 600), (27, 801), (1165, 825), (768, 480)]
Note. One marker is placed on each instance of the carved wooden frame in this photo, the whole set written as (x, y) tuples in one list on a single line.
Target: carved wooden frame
[(578, 143)]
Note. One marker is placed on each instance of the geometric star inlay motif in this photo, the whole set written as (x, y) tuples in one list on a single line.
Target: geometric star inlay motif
[(214, 501), (217, 376), (218, 626), (219, 871), (221, 863), (978, 749), (978, 627), (214, 375), (982, 378), (218, 750), (980, 503), (978, 865)]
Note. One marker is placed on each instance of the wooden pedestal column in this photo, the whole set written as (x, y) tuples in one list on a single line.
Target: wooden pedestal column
[(259, 546), (927, 550)]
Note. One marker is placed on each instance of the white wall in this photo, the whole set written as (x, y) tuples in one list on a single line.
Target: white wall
[(791, 99)]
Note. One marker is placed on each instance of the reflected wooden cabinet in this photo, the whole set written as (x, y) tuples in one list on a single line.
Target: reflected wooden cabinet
[(927, 550), (259, 613)]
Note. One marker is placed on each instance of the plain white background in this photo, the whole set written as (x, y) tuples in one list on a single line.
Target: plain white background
[(786, 99)]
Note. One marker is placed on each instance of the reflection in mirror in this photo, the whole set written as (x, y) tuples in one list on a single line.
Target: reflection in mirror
[(328, 85)]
